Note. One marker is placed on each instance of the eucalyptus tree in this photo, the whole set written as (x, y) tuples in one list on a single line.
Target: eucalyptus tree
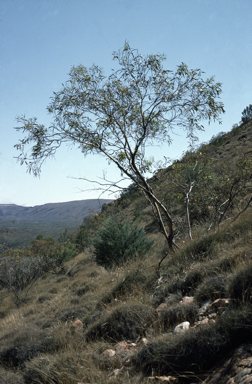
[(117, 116)]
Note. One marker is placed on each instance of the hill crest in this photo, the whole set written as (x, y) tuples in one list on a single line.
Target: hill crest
[(66, 211)]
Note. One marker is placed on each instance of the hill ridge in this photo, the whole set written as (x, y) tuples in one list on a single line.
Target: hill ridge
[(70, 210)]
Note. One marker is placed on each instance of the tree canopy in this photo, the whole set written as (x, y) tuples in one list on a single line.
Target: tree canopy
[(117, 116)]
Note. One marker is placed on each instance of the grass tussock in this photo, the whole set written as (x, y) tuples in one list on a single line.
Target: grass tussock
[(177, 313), (240, 286), (125, 322), (211, 289)]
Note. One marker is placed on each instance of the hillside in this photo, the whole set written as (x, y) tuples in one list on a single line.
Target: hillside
[(186, 321), (20, 225)]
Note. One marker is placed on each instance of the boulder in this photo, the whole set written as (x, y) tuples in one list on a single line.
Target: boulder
[(77, 326), (187, 300), (108, 352), (164, 379), (183, 327)]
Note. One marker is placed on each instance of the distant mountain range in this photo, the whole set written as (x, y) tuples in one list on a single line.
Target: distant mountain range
[(73, 211), (20, 225)]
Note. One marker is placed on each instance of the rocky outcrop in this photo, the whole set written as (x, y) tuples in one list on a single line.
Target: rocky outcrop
[(235, 369)]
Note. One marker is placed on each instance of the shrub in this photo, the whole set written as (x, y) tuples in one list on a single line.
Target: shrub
[(247, 114), (17, 275), (82, 238), (55, 253), (119, 242)]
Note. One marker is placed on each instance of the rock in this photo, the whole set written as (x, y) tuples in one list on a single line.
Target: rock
[(121, 346), (235, 369), (205, 307), (142, 342), (108, 352), (166, 379), (187, 300), (77, 326), (116, 372), (219, 303), (183, 327), (202, 322)]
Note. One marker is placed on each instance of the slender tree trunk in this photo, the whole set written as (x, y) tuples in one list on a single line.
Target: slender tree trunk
[(160, 208)]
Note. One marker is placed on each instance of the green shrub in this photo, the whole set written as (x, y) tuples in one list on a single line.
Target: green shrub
[(247, 114), (119, 242)]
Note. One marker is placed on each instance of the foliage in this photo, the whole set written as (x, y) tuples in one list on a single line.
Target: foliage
[(207, 190), (18, 253), (118, 116), (18, 274), (119, 242), (216, 140), (20, 268), (247, 114), (54, 253), (82, 238)]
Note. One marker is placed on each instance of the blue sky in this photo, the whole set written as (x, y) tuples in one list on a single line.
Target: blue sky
[(41, 39)]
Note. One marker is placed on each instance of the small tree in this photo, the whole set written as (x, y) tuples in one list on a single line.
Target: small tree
[(119, 242), (117, 117), (247, 114)]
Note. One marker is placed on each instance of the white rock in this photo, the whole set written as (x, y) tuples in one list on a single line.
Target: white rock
[(108, 352), (182, 327), (187, 300)]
